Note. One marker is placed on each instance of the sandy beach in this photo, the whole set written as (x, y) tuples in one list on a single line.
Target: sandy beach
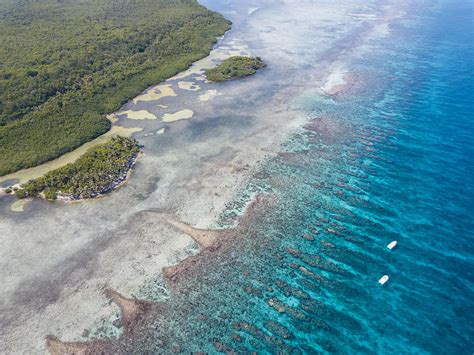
[(202, 141)]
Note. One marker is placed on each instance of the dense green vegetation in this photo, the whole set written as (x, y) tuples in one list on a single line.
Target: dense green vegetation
[(66, 63), (235, 67), (98, 171)]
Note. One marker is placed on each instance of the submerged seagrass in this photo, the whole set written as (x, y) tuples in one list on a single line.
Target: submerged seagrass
[(67, 64)]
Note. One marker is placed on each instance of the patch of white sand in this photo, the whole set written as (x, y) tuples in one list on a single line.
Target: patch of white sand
[(112, 117), (155, 93), (177, 116), (19, 205), (138, 115), (160, 131), (188, 85), (208, 95), (335, 81)]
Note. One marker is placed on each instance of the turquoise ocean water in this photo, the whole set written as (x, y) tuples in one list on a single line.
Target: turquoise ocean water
[(390, 159)]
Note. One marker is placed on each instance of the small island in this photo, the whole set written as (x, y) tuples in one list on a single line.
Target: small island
[(234, 68), (101, 169)]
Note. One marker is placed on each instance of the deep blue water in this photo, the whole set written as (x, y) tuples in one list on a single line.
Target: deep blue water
[(392, 159)]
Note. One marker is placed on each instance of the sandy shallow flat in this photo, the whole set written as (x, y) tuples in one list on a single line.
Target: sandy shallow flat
[(188, 85), (19, 205), (138, 115), (178, 115), (155, 93), (208, 95)]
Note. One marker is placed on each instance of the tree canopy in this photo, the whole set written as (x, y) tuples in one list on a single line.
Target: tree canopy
[(235, 67), (96, 172), (64, 64)]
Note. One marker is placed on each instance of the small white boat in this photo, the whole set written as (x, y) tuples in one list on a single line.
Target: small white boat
[(392, 245), (383, 279)]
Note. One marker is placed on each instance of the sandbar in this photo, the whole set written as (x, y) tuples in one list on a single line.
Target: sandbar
[(188, 85), (180, 115), (208, 95), (155, 93), (138, 115), (19, 205)]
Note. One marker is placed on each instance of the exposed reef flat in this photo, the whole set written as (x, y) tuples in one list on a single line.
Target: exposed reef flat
[(135, 312)]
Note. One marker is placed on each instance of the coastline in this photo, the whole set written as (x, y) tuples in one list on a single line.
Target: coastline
[(24, 175), (116, 184), (17, 178), (18, 206)]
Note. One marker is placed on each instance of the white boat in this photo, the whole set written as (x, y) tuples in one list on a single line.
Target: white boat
[(392, 245), (383, 279)]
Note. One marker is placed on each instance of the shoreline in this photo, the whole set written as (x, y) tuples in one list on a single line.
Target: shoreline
[(111, 80), (114, 185), (24, 175), (69, 198)]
